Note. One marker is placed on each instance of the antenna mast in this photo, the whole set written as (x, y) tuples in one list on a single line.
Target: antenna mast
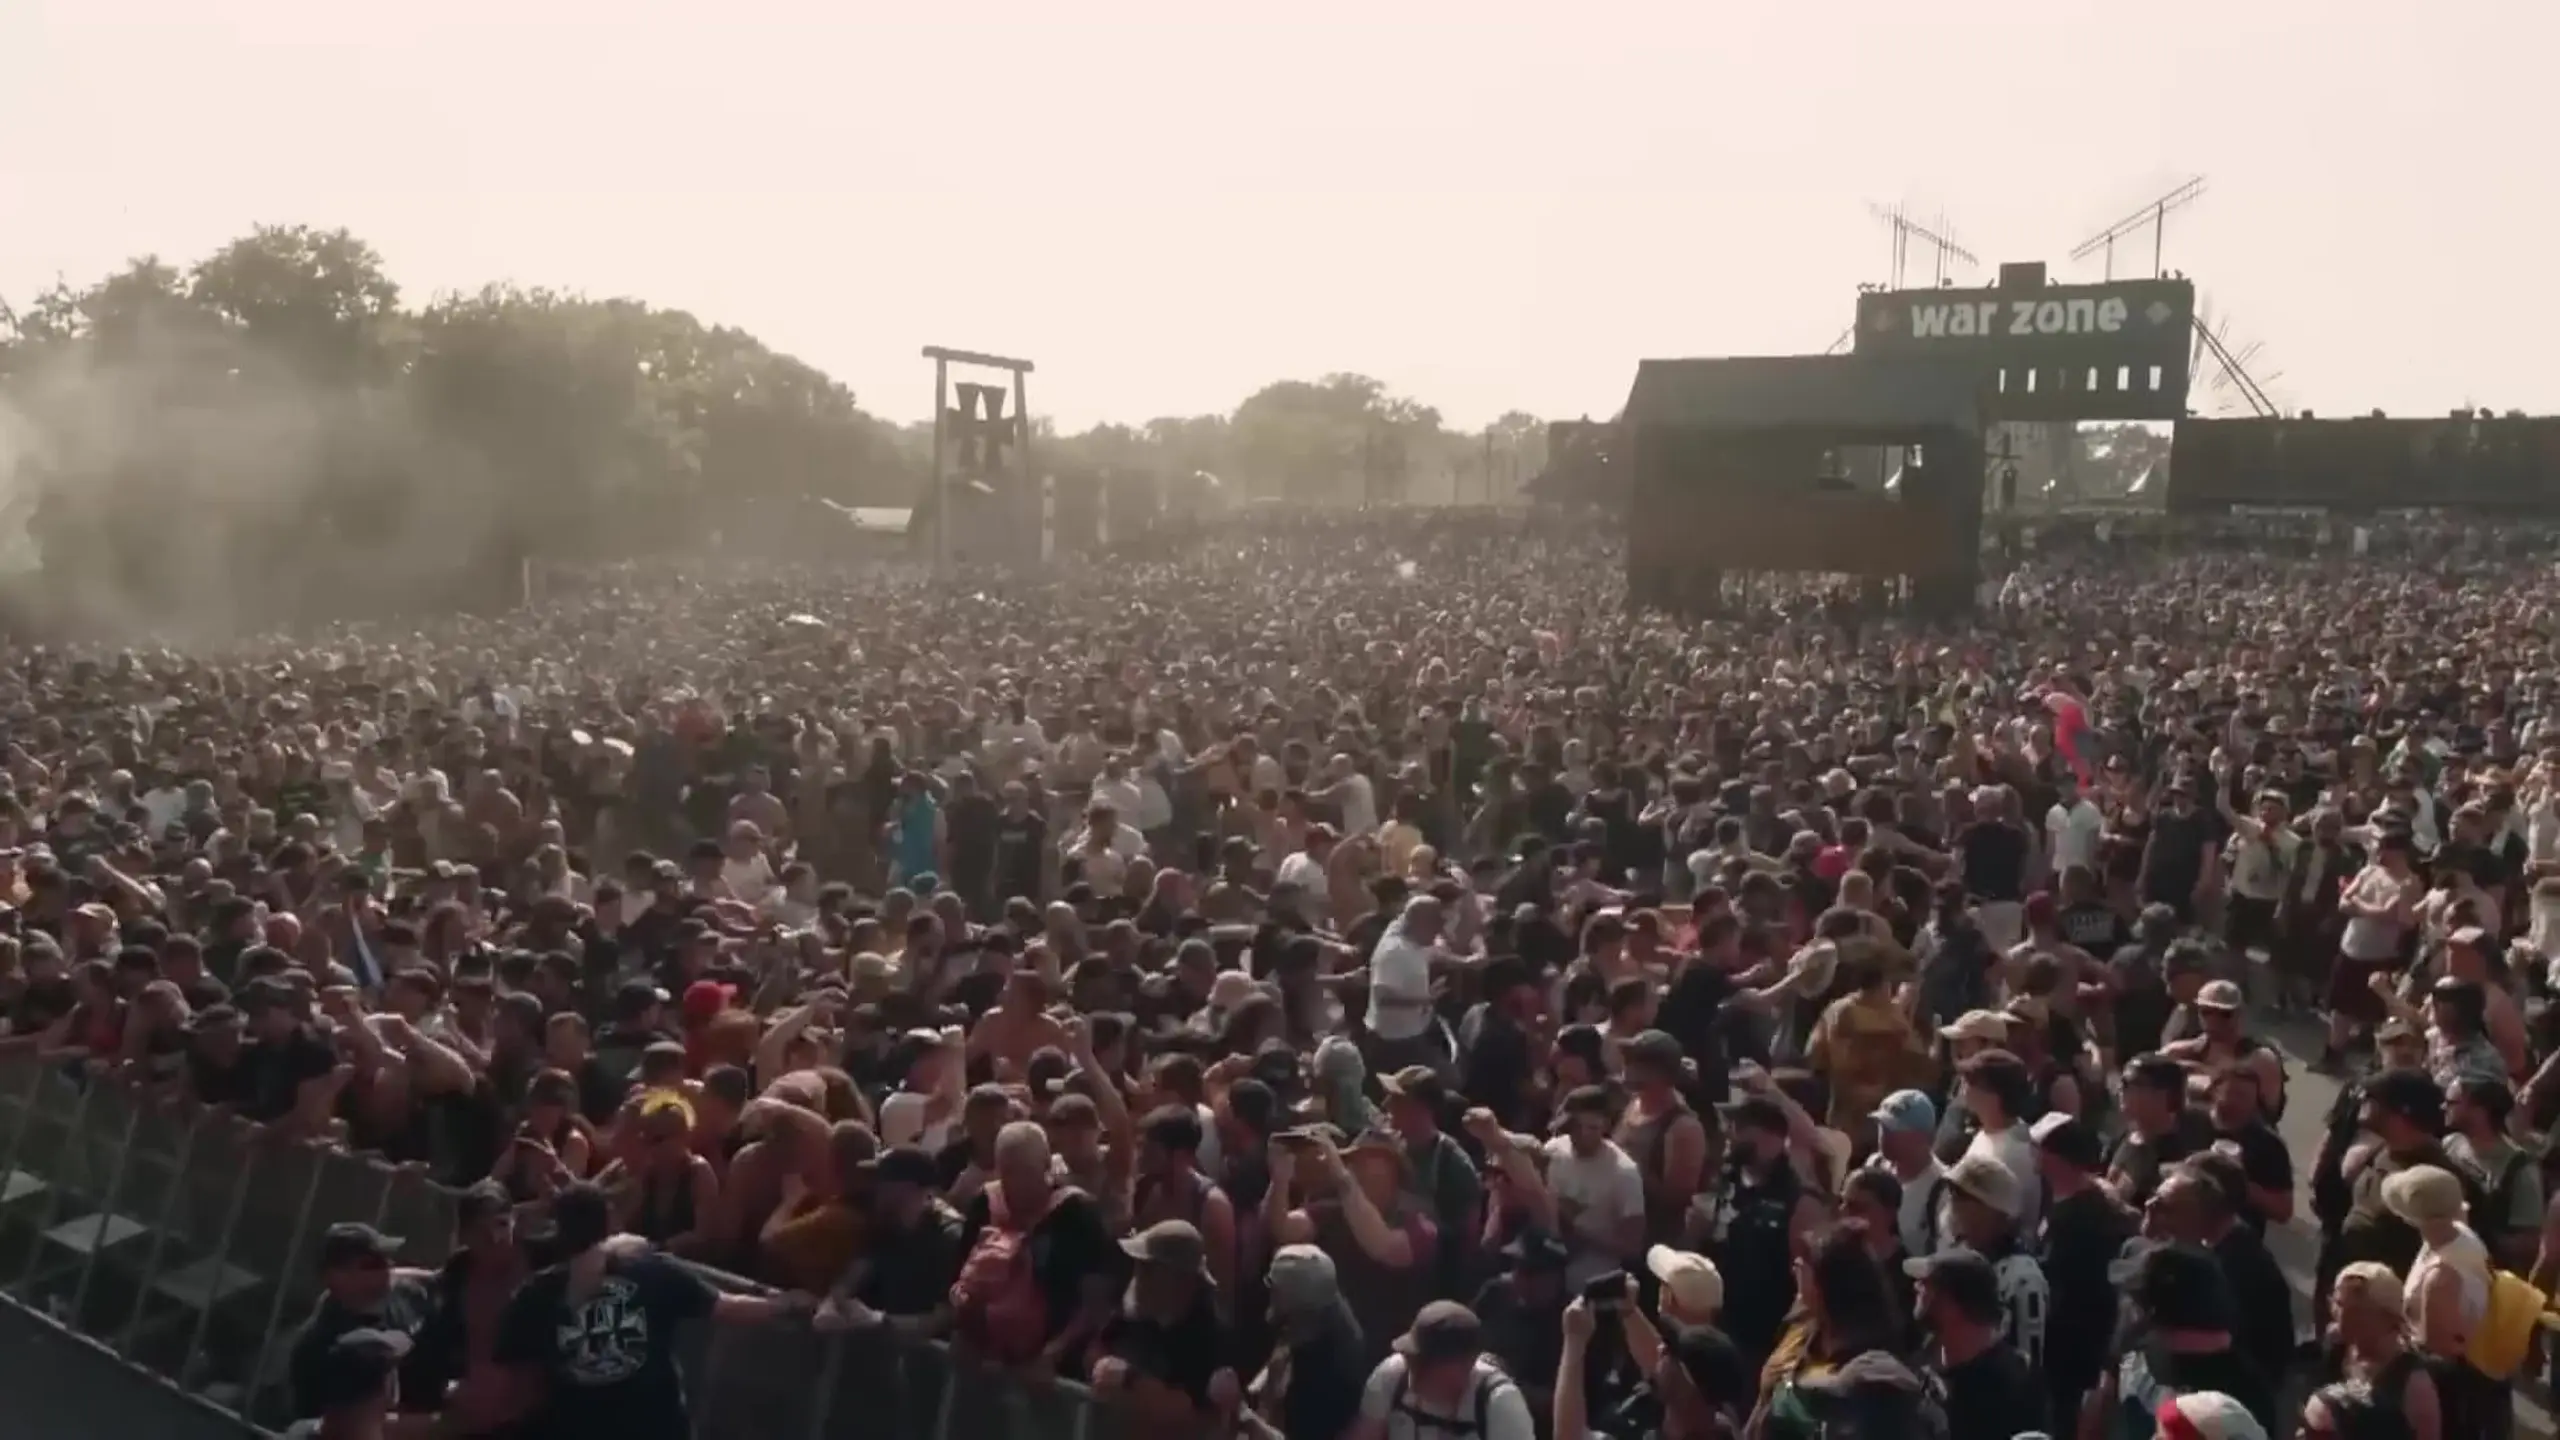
[(2153, 217), (1898, 222)]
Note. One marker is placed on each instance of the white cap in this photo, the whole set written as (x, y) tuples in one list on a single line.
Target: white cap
[(1690, 1278)]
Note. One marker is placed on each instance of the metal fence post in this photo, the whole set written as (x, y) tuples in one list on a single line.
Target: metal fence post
[(829, 1373), (284, 1287), (18, 1132), (238, 1202), (98, 1239), (950, 1397), (703, 1389), (161, 1225), (50, 1209)]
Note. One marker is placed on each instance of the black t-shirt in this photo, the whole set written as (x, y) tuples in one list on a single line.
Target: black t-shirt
[(2091, 926), (2142, 999), (271, 1072), (1070, 1245), (1527, 1336), (1499, 1069), (1183, 1355), (2084, 1233), (41, 1004), (1690, 1013), (2264, 1331), (315, 1369), (1549, 809), (213, 1084), (1021, 852), (1995, 861), (970, 823), (609, 1356), (911, 1270), (2265, 1161), (1993, 1394), (2178, 847), (1327, 1373), (2144, 1159)]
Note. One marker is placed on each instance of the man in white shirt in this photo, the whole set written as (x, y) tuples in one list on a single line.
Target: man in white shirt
[(1116, 789), (1906, 1126), (1402, 1028), (1014, 741), (1304, 868), (2073, 828), (1351, 790), (1598, 1189)]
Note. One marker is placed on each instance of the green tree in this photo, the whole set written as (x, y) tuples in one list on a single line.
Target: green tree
[(1341, 439)]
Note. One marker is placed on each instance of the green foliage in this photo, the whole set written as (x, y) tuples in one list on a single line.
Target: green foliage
[(282, 384)]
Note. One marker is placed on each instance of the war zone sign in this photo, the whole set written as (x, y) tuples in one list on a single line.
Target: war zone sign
[(2117, 351)]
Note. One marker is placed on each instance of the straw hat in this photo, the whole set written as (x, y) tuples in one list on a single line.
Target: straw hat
[(2423, 1194)]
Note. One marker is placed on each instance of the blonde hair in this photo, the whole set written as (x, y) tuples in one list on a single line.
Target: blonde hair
[(2377, 1282)]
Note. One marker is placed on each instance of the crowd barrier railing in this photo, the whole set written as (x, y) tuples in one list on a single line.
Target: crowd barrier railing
[(187, 1244)]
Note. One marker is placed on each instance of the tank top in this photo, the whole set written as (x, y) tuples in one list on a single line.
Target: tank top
[(1383, 1299), (1151, 1200), (666, 1211), (1753, 1221), (1646, 1144), (2468, 1258), (2371, 1231)]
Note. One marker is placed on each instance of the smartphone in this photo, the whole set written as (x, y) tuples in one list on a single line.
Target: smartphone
[(1606, 1293)]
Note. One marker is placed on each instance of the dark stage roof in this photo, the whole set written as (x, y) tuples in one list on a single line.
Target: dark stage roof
[(1881, 395)]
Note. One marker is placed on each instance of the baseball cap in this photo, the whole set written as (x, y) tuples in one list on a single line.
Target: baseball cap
[(1977, 1025), (348, 1243), (1416, 1082), (1174, 1244), (907, 1165), (1655, 1047), (1690, 1277), (1444, 1330), (2207, 1415), (2412, 1095), (1962, 1274), (1986, 1180), (482, 1200), (353, 1367), (2175, 1286), (2068, 1139), (1906, 1112), (1303, 1280), (2218, 995)]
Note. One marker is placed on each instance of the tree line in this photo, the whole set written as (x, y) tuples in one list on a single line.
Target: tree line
[(282, 390)]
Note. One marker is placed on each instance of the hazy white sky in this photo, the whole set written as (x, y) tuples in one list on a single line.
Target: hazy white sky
[(1489, 205)]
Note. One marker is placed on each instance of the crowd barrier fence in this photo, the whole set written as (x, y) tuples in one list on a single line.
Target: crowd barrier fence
[(187, 1245)]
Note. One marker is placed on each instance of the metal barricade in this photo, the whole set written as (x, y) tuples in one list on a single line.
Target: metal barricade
[(187, 1243)]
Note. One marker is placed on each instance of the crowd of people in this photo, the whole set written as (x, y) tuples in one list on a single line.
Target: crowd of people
[(1355, 981)]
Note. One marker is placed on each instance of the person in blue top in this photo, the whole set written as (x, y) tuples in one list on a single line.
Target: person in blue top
[(914, 841)]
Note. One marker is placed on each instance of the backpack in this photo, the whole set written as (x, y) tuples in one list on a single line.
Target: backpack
[(1489, 1378), (997, 1303), (2503, 1340)]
